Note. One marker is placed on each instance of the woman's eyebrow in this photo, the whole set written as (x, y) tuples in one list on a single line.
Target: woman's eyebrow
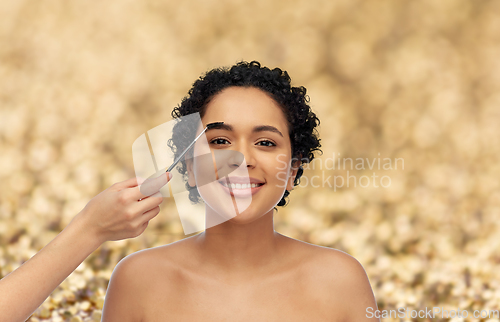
[(259, 128), (262, 128), (221, 126)]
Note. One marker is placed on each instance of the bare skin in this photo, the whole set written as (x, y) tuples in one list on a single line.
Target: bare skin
[(174, 283), (114, 214), (242, 270)]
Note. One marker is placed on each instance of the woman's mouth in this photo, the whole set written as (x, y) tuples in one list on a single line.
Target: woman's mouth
[(240, 189)]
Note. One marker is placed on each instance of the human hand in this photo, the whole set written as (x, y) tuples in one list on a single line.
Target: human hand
[(123, 211)]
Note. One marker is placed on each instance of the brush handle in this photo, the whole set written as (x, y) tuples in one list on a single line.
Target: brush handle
[(185, 151)]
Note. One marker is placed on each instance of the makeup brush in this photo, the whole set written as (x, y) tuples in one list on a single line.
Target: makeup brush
[(209, 126)]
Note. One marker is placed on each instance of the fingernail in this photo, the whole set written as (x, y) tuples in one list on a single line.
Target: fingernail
[(169, 175)]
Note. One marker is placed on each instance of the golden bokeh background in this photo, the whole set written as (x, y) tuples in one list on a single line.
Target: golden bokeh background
[(417, 80)]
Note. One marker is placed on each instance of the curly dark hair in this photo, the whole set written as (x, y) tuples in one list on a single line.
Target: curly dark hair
[(302, 122)]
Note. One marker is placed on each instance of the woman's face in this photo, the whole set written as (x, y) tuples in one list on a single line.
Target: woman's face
[(255, 126)]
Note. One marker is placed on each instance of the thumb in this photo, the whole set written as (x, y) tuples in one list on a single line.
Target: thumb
[(155, 182)]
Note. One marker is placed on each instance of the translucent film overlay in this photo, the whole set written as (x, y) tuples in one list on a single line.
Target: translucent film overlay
[(209, 186)]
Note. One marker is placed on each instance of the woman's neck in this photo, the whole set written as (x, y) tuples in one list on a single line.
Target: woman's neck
[(240, 248)]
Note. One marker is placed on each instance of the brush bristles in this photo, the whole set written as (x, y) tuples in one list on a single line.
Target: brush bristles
[(211, 125)]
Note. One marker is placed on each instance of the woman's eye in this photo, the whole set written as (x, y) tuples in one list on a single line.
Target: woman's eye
[(267, 143), (221, 141), (218, 141)]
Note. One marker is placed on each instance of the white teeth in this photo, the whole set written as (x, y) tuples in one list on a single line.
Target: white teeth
[(241, 186)]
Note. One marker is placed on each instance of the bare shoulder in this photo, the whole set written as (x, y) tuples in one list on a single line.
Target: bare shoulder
[(327, 261), (135, 278), (339, 265), (337, 277), (149, 260), (346, 282), (125, 283)]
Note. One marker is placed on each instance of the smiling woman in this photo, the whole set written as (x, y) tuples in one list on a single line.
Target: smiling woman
[(242, 269)]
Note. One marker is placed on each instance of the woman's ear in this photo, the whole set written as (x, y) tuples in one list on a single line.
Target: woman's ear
[(189, 165), (293, 173)]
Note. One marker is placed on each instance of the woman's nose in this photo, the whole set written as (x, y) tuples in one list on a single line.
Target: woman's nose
[(242, 154)]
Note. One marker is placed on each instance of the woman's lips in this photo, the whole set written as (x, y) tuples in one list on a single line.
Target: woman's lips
[(235, 192)]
